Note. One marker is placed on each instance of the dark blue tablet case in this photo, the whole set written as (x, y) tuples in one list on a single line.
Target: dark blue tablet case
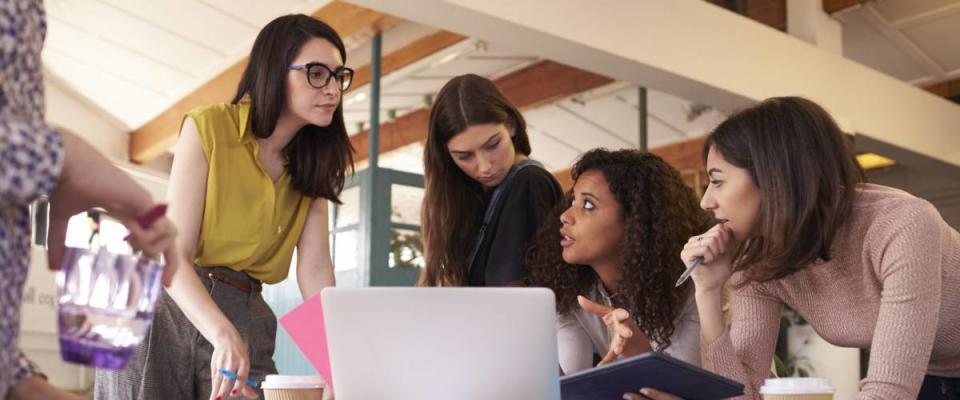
[(654, 370)]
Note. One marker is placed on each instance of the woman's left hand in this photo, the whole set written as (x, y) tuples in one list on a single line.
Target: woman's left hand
[(650, 394), (625, 336)]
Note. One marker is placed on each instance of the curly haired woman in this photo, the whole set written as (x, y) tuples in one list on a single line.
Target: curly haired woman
[(613, 250)]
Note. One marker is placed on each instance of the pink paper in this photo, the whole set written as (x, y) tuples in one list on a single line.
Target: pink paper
[(305, 326)]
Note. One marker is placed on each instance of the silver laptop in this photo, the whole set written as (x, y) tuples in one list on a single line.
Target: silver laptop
[(442, 343)]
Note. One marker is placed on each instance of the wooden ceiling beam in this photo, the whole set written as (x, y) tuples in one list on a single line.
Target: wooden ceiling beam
[(835, 6), (684, 157), (949, 89), (535, 85), (409, 54)]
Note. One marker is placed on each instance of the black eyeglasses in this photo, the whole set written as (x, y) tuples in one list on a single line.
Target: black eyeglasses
[(318, 75)]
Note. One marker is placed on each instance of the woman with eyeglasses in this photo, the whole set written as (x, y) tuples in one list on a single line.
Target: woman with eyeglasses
[(484, 197), (249, 184)]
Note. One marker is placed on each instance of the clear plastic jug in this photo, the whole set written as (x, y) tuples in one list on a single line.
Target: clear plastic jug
[(106, 305)]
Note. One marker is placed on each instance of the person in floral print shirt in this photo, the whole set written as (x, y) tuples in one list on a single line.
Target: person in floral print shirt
[(37, 159)]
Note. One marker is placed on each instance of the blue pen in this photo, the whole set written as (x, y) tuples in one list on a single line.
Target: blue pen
[(233, 375)]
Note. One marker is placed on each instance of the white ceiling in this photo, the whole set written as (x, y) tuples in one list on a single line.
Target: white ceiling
[(562, 130), (559, 132), (917, 41), (135, 58), (406, 90), (608, 117)]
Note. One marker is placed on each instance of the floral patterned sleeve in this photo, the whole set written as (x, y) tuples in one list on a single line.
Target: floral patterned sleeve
[(25, 369), (31, 160), (31, 152), (31, 157)]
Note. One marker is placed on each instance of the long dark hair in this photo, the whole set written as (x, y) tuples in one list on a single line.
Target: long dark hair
[(659, 213), (797, 156), (453, 206), (318, 157)]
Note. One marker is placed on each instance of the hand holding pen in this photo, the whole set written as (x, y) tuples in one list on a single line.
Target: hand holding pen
[(709, 257)]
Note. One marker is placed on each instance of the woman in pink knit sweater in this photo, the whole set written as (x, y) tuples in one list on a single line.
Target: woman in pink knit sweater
[(868, 266)]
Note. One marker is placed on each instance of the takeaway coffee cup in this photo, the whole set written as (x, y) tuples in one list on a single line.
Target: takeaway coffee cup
[(293, 387), (797, 389)]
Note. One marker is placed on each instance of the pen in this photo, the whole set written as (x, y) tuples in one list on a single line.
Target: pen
[(686, 274), (147, 219), (156, 212), (233, 375)]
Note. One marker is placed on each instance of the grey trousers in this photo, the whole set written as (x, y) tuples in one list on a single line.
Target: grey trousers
[(173, 362)]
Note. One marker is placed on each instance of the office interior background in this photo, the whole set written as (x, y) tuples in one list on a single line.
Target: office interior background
[(656, 75)]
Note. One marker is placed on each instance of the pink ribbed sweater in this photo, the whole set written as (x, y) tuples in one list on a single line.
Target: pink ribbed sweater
[(892, 285)]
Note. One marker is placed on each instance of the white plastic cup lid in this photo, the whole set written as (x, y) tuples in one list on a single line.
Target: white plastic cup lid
[(293, 382), (796, 386)]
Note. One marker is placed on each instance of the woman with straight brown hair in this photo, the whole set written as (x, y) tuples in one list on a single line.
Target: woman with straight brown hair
[(868, 266), (249, 185), (484, 196)]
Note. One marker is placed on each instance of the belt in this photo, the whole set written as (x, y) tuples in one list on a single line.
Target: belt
[(252, 285)]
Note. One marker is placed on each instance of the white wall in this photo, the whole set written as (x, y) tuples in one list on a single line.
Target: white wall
[(70, 110)]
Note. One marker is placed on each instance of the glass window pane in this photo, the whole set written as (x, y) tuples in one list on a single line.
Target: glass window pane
[(348, 279), (96, 230), (346, 251), (283, 297), (40, 216), (405, 207), (408, 158), (348, 213), (406, 249)]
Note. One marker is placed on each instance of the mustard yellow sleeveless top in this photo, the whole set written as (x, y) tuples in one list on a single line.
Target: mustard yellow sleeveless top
[(250, 223)]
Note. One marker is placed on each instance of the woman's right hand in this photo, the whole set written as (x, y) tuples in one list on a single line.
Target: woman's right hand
[(626, 339), (717, 247), (230, 353)]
